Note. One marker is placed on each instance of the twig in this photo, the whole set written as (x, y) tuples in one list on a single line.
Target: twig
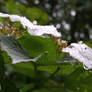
[(51, 76)]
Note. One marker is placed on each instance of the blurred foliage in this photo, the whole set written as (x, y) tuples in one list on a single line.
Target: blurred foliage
[(33, 13), (72, 18)]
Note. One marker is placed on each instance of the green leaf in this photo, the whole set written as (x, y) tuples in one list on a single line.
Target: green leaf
[(37, 45), (79, 80), (14, 50), (25, 69)]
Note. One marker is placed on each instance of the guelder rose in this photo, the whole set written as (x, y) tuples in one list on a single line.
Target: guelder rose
[(81, 52), (36, 30)]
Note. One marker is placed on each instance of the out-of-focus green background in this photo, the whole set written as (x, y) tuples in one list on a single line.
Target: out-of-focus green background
[(73, 18)]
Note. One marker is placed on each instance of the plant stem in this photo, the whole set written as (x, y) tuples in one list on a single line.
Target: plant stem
[(51, 76), (36, 79)]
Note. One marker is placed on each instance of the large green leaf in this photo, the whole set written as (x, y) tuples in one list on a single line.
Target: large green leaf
[(36, 45), (26, 69), (15, 50)]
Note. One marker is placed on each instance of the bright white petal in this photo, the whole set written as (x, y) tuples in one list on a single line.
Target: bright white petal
[(36, 30), (81, 52)]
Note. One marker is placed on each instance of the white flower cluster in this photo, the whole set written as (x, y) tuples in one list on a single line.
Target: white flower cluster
[(81, 52), (35, 30)]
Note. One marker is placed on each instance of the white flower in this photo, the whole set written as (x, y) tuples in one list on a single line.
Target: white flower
[(36, 30), (81, 52)]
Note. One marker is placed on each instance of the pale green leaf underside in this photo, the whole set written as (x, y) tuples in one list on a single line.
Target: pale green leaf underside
[(15, 50)]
